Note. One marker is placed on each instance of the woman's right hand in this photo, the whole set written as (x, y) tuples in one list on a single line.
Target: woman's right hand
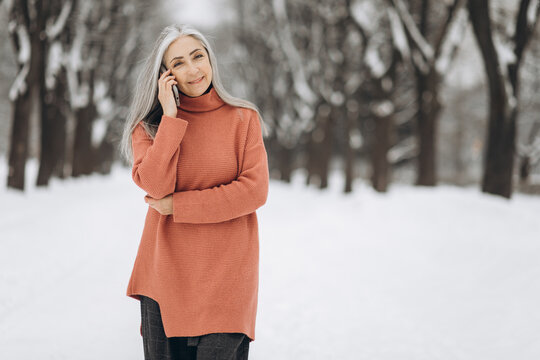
[(165, 93)]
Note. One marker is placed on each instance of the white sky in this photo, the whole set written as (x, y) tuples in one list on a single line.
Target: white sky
[(202, 13)]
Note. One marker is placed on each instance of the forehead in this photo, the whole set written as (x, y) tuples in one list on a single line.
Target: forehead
[(181, 47)]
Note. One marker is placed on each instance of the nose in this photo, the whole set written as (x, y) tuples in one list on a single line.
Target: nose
[(192, 69)]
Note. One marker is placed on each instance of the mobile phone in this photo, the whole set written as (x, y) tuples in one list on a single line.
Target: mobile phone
[(174, 87)]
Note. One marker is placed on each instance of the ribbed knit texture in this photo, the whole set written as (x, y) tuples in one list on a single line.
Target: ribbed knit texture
[(201, 264)]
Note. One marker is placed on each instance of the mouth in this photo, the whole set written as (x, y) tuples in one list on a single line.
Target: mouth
[(197, 81)]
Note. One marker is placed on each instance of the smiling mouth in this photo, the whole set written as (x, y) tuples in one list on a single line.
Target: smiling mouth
[(197, 81)]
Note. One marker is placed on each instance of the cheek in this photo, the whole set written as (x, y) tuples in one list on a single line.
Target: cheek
[(178, 75), (208, 69)]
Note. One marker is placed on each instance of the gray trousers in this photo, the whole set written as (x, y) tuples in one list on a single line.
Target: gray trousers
[(216, 346)]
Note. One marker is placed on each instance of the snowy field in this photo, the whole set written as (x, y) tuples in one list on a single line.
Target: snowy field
[(417, 273)]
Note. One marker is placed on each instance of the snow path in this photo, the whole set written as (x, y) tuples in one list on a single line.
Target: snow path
[(417, 273)]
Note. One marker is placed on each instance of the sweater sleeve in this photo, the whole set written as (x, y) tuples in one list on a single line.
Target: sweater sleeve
[(240, 197), (155, 161)]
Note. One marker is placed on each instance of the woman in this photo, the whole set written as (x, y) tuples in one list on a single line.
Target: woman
[(204, 168)]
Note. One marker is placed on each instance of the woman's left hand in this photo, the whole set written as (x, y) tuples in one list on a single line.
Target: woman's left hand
[(163, 206)]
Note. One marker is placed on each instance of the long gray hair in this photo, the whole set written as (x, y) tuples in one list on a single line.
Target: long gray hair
[(146, 90)]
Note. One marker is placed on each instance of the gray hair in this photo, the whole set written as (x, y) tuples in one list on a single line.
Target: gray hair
[(146, 90)]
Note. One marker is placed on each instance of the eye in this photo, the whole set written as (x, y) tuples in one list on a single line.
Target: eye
[(199, 55), (178, 63)]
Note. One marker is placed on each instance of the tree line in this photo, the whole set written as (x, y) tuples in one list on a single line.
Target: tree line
[(352, 79), (73, 59), (348, 77)]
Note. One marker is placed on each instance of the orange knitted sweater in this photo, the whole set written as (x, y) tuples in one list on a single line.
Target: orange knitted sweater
[(201, 264)]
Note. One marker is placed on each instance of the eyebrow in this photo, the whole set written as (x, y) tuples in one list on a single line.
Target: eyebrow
[(180, 57)]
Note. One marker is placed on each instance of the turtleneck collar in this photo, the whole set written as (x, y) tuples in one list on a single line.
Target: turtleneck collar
[(208, 101)]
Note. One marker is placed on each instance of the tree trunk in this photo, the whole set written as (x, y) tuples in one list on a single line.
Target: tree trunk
[(428, 113), (350, 153), (83, 152), (320, 144), (285, 159), (24, 101), (379, 152), (18, 150), (53, 137), (499, 153)]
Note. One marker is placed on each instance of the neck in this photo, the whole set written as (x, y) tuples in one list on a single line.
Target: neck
[(208, 90), (207, 101)]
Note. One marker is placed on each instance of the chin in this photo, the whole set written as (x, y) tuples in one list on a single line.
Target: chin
[(198, 91)]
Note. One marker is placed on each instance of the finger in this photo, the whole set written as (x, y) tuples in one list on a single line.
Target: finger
[(165, 73), (166, 81), (165, 78)]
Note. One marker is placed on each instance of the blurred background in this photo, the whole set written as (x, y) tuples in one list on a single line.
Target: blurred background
[(404, 153), (421, 92)]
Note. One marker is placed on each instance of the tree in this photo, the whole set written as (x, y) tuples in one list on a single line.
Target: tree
[(430, 57), (27, 26), (54, 106), (502, 60)]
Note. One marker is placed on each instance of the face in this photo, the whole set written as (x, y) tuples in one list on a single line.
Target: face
[(189, 63)]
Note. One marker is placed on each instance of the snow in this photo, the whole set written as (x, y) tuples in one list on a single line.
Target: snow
[(416, 273), (300, 83), (54, 63), (356, 140), (24, 44), (99, 130), (505, 51), (531, 150), (352, 82), (452, 41), (19, 85), (467, 69), (374, 61), (382, 108), (408, 22), (8, 5), (406, 148), (366, 15), (398, 33), (54, 29), (506, 56), (532, 12)]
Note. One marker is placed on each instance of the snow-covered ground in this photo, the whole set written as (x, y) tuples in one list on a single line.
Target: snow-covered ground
[(417, 273)]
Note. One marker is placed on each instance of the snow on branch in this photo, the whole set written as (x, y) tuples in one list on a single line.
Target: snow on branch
[(8, 5), (406, 149), (506, 56), (54, 64), (532, 13), (300, 83), (79, 91), (398, 33), (452, 42), (423, 46), (19, 86), (374, 61), (25, 48), (54, 28), (365, 15), (531, 150)]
